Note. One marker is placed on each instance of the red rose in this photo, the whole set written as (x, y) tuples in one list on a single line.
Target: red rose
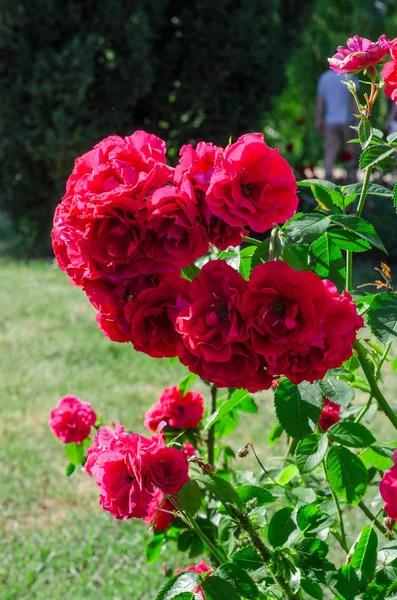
[(176, 410), (284, 305), (214, 335), (188, 449), (200, 568), (129, 467), (327, 347), (329, 415), (255, 186), (388, 491), (71, 420), (174, 220), (151, 317), (389, 73), (156, 516), (97, 228)]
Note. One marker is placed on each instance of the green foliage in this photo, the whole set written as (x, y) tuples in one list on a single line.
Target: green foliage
[(364, 557), (310, 452), (382, 317), (177, 584), (346, 474), (352, 435), (298, 408), (280, 527), (190, 497)]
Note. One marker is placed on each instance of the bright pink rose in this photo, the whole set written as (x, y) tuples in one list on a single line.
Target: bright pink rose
[(151, 317), (388, 491), (214, 339), (156, 516), (173, 218), (200, 568), (71, 420), (329, 345), (389, 73), (285, 306), (97, 228), (329, 415), (255, 187), (129, 467), (188, 450), (176, 410), (359, 54)]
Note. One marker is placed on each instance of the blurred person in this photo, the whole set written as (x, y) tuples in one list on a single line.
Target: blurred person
[(334, 115)]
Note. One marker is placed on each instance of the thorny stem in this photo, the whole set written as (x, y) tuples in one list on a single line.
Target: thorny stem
[(211, 431), (375, 391), (263, 550), (251, 240), (342, 540)]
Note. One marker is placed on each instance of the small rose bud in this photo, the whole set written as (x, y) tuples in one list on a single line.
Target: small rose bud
[(206, 468), (243, 452), (388, 522)]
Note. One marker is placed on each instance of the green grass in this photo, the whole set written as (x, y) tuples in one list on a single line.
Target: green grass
[(58, 542)]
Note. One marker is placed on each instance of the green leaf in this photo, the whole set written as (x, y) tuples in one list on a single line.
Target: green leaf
[(379, 156), (186, 382), (248, 405), (347, 582), (249, 492), (221, 489), (248, 558), (296, 256), (312, 589), (190, 497), (187, 596), (375, 592), (246, 255), (352, 192), (346, 474), (337, 391), (352, 435), (388, 553), (311, 519), (153, 547), (280, 527), (300, 495), (382, 317), (228, 405), (361, 228), (312, 552), (288, 474), (261, 253), (298, 408), (377, 457), (239, 579), (307, 228), (190, 272), (183, 582), (347, 240), (75, 453), (70, 469), (326, 259), (365, 132), (217, 588), (227, 424), (365, 553), (310, 452), (319, 188), (275, 434)]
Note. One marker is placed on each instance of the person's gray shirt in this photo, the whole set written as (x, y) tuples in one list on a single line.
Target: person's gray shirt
[(337, 98)]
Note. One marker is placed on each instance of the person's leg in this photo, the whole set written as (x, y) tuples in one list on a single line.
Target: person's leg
[(332, 141)]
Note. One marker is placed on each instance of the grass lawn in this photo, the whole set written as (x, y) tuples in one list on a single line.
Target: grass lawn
[(58, 543)]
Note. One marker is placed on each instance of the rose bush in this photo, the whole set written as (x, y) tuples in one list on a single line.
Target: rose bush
[(167, 258)]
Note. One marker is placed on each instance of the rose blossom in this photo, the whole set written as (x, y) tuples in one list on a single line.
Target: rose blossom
[(214, 340), (97, 228), (389, 73), (176, 410), (198, 166), (285, 306), (388, 491), (359, 54), (327, 347), (151, 317), (71, 420), (329, 414), (129, 467), (255, 187), (156, 516), (200, 568), (189, 450)]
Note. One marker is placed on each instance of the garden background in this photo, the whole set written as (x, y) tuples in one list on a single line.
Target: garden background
[(72, 73)]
